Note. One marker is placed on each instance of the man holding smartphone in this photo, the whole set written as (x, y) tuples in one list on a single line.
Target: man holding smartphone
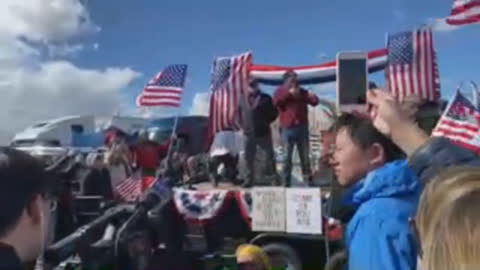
[(292, 102)]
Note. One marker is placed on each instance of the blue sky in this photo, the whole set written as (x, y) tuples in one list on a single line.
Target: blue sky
[(146, 35)]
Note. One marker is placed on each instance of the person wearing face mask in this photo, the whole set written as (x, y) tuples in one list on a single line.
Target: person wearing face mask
[(26, 204)]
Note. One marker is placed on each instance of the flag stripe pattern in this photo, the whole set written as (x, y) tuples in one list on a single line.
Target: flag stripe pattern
[(322, 73), (165, 89), (412, 65), (229, 79), (129, 189), (460, 123), (464, 12)]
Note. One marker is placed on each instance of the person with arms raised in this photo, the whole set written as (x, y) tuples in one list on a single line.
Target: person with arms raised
[(385, 192), (427, 155)]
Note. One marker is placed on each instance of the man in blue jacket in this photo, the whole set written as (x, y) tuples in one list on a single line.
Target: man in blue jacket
[(384, 190)]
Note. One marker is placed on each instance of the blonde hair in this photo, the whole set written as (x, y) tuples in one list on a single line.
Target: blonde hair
[(448, 220), (256, 253)]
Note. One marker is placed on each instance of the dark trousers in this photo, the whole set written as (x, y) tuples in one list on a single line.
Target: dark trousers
[(299, 137), (230, 162), (266, 145)]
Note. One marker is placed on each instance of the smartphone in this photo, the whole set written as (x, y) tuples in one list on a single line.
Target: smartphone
[(352, 80)]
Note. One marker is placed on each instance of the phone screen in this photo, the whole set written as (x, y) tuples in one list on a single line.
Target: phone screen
[(352, 81)]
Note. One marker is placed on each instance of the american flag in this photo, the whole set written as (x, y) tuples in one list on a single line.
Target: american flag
[(464, 12), (412, 65), (460, 123), (165, 89), (129, 189), (229, 79)]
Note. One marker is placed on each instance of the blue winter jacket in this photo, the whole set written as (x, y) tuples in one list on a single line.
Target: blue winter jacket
[(378, 236)]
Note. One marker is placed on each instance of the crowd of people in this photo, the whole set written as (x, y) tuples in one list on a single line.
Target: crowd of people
[(414, 197)]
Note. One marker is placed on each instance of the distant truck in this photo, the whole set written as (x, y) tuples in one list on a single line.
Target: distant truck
[(194, 127), (60, 132), (55, 133)]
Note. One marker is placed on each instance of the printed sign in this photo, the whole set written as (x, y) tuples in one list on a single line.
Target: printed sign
[(304, 211), (268, 213)]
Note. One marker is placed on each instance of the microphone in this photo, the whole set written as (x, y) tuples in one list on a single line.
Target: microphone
[(66, 247)]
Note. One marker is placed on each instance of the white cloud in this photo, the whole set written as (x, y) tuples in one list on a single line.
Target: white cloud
[(96, 46), (63, 50), (200, 105), (35, 89), (59, 88), (45, 20)]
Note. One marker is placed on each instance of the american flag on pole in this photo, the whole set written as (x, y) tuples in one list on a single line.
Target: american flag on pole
[(460, 123), (229, 80), (412, 65), (464, 12), (129, 189), (165, 89)]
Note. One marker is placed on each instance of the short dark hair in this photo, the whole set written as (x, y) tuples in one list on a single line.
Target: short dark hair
[(364, 134), (22, 177), (288, 74)]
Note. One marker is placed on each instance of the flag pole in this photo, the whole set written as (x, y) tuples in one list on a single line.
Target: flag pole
[(475, 99), (174, 130)]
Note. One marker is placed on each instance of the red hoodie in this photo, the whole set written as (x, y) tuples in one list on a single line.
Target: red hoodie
[(149, 154), (293, 110)]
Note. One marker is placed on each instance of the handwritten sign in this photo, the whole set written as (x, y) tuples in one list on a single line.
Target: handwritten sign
[(304, 211), (268, 213)]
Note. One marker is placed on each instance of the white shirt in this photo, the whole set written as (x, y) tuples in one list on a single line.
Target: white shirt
[(227, 142)]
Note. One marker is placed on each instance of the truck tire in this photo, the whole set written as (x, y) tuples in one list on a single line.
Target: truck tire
[(283, 256)]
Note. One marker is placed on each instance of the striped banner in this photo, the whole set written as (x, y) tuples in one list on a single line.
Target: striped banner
[(273, 75)]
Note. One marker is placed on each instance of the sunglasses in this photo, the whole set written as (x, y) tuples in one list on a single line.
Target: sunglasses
[(416, 235)]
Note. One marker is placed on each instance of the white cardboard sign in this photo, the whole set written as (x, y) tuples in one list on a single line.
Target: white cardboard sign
[(268, 213), (304, 211)]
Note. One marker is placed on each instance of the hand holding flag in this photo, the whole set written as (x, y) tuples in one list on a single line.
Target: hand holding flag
[(460, 123)]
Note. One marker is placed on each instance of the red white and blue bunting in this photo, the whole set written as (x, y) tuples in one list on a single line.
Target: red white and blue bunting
[(323, 73), (244, 201), (201, 206)]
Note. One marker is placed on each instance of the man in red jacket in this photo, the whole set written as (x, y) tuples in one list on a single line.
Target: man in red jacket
[(292, 101), (148, 154)]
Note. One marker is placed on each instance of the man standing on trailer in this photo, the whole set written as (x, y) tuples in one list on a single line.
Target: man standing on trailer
[(257, 114), (292, 101)]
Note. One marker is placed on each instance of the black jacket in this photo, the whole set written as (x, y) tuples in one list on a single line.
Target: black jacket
[(98, 183), (9, 259), (256, 120), (437, 154)]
